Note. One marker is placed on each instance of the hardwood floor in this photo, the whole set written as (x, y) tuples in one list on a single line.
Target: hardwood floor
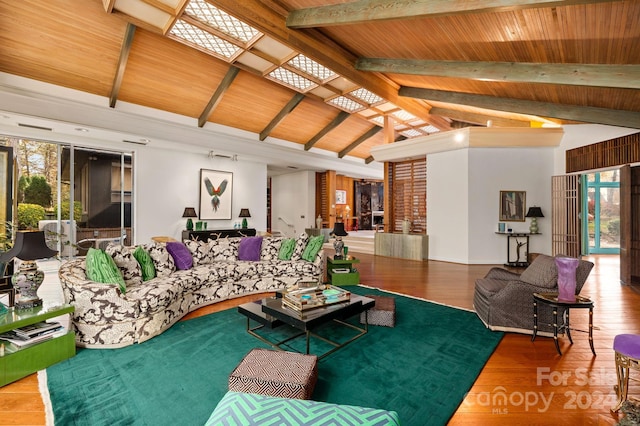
[(523, 382)]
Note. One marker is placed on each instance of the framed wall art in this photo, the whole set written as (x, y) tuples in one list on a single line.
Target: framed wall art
[(512, 206), (341, 196), (216, 188)]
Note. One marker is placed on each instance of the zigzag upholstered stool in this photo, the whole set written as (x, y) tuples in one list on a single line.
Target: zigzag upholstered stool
[(276, 373), (627, 349), (383, 313)]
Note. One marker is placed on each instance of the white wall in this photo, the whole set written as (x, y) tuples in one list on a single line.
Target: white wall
[(168, 181), (293, 200), (463, 189)]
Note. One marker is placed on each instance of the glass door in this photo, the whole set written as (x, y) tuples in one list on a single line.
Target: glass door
[(603, 212)]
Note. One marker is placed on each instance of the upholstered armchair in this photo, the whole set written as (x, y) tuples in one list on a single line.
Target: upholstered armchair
[(504, 300)]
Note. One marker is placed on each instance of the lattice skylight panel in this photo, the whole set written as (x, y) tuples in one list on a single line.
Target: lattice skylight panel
[(378, 120), (346, 104), (292, 79), (366, 96), (222, 21), (430, 129), (311, 67), (207, 41), (404, 115), (412, 133)]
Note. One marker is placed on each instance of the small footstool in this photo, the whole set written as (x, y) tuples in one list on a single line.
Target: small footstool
[(383, 313), (276, 373)]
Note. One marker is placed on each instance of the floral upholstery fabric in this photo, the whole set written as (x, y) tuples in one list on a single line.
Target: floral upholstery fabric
[(162, 260), (301, 244), (126, 262), (200, 251), (270, 248), (105, 318)]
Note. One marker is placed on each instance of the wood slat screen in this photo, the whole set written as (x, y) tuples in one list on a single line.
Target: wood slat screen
[(408, 183), (322, 198), (613, 152), (565, 215)]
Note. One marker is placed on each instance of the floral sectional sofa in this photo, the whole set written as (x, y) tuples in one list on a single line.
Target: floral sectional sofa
[(107, 317)]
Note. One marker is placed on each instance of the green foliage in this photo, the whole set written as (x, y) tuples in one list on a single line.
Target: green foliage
[(614, 227), (38, 191), (29, 215), (77, 211)]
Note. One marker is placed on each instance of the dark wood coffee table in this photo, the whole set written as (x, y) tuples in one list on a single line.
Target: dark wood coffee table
[(269, 313)]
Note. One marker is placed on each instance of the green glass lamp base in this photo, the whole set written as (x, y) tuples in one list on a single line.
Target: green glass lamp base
[(189, 224), (245, 224)]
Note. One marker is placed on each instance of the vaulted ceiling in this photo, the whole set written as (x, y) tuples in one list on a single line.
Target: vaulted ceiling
[(342, 76)]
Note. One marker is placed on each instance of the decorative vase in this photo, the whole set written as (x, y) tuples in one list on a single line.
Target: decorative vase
[(567, 278), (406, 226), (319, 222)]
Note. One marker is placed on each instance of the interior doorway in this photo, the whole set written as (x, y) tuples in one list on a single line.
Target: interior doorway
[(602, 208)]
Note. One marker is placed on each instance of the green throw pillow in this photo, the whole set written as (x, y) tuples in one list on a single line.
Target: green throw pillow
[(146, 263), (313, 247), (102, 269), (286, 249)]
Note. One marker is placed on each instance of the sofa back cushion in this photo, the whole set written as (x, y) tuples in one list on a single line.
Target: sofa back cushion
[(249, 248), (180, 254), (200, 251), (270, 248), (101, 268), (542, 272), (162, 260), (301, 244), (225, 249), (127, 263)]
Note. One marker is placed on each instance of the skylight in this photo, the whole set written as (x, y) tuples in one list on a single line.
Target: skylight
[(366, 96), (205, 40), (429, 129), (292, 79), (346, 104), (311, 67), (220, 20), (404, 115)]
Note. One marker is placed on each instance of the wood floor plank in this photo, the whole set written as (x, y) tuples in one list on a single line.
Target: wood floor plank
[(574, 389)]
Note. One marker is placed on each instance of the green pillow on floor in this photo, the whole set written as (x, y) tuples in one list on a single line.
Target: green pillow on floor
[(102, 269)]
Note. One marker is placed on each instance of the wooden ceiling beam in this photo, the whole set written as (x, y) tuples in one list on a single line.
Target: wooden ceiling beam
[(370, 133), (362, 11), (597, 75), (583, 114), (369, 159), (329, 127), (218, 94), (122, 64), (472, 117), (325, 51), (290, 106)]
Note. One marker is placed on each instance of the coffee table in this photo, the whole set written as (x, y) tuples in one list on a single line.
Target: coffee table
[(269, 313)]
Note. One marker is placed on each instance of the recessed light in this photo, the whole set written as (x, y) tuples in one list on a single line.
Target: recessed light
[(145, 140), (81, 129)]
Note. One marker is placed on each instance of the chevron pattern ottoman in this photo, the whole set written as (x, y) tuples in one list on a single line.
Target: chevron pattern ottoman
[(383, 313), (251, 409), (276, 373)]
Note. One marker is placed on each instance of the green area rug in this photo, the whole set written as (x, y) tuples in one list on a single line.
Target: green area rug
[(422, 369)]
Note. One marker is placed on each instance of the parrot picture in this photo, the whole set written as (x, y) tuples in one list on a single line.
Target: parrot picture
[(215, 193)]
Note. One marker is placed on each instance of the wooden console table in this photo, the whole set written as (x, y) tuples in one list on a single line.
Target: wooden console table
[(212, 234), (405, 246)]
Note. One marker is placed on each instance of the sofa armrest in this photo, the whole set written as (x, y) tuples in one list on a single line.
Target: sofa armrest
[(502, 274)]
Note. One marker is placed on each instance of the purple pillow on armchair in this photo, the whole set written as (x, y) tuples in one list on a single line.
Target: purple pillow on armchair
[(249, 248), (181, 255)]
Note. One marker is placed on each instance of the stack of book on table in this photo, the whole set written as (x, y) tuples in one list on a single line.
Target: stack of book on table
[(31, 334)]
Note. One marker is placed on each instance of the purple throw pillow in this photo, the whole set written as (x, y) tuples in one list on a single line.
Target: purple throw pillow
[(249, 248), (181, 255)]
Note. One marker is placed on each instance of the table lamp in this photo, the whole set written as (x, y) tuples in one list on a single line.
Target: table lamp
[(534, 213), (244, 214), (189, 212), (28, 247)]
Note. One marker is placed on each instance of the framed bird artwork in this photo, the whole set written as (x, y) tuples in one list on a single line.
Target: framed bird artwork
[(216, 188)]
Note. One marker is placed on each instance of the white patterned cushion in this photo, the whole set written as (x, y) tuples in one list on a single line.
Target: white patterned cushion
[(301, 244), (162, 260), (270, 248), (200, 251), (224, 249), (126, 262)]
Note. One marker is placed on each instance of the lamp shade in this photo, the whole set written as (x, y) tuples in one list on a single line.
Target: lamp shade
[(29, 245), (189, 212), (338, 229), (535, 212), (244, 213)]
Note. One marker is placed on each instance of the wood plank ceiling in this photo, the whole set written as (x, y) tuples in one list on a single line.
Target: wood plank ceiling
[(429, 65)]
